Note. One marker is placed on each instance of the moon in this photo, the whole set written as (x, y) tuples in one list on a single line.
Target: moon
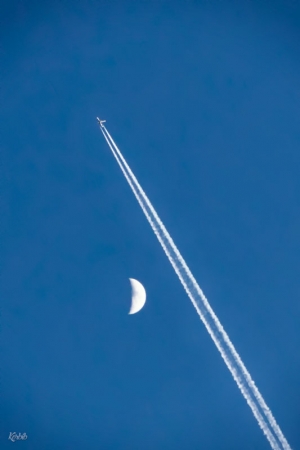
[(138, 297)]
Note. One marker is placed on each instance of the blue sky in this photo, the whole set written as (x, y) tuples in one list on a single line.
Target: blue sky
[(203, 100)]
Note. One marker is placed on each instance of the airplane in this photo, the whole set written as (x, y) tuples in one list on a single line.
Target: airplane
[(100, 122)]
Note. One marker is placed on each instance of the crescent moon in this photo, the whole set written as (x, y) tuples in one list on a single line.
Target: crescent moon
[(138, 297)]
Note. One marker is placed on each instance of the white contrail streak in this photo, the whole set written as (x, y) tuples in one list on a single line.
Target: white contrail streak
[(232, 359)]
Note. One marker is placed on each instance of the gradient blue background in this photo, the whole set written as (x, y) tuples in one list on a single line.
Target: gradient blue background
[(203, 99)]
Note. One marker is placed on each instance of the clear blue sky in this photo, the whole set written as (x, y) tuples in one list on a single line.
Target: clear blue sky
[(203, 99)]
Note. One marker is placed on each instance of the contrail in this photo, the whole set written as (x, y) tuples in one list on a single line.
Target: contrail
[(229, 354)]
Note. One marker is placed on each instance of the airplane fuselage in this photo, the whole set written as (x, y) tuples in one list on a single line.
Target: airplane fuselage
[(100, 122)]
